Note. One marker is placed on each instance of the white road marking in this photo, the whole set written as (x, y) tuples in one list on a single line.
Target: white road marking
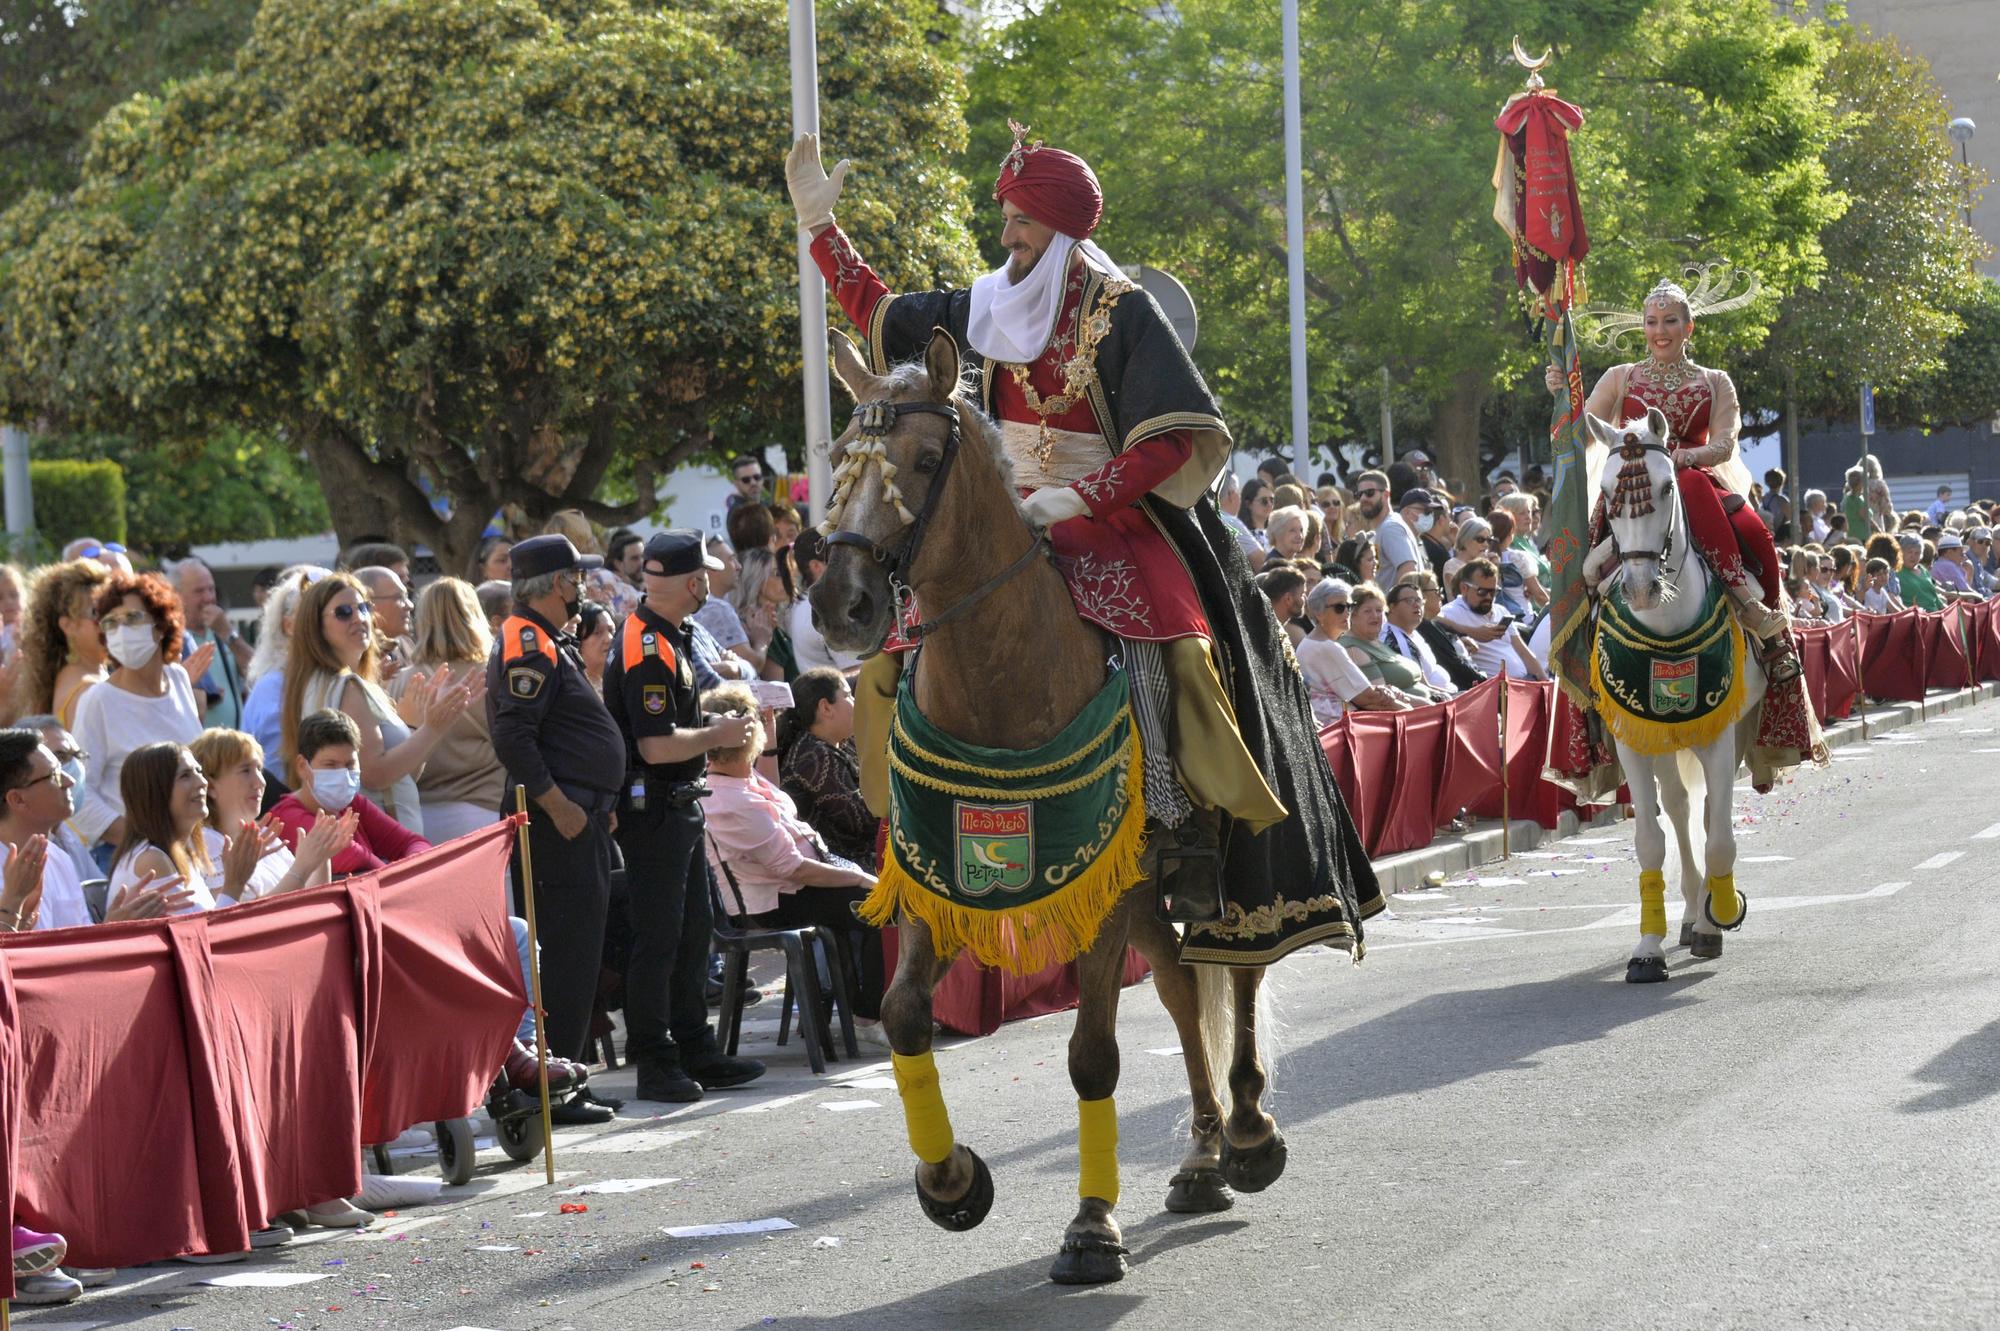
[(1764, 859), (1989, 834), (1939, 860), (1627, 917), (642, 1139)]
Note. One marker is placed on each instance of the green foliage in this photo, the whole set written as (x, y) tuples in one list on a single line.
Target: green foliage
[(63, 65), (235, 486), (493, 246), (1703, 140), (75, 499), (1898, 261), (1964, 388)]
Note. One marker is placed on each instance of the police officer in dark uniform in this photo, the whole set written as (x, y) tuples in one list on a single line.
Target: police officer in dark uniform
[(552, 733), (650, 688)]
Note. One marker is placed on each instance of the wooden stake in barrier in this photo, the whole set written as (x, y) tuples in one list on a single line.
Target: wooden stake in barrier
[(1506, 809), (535, 985), (1861, 689)]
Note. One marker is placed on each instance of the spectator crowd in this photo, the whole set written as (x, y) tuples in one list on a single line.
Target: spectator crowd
[(1396, 593), (162, 755)]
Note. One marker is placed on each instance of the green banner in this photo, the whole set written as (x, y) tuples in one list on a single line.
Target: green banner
[(1568, 524)]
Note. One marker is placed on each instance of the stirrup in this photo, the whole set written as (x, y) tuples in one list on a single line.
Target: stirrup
[(1760, 621), (1780, 661)]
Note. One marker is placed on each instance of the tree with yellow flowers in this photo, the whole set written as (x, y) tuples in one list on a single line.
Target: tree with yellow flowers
[(497, 251)]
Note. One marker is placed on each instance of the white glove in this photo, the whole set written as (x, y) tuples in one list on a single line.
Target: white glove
[(1052, 504), (813, 191)]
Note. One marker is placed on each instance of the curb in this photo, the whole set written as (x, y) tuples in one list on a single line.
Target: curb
[(1407, 870)]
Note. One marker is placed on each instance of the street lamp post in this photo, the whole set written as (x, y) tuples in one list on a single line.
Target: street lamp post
[(1295, 242), (812, 289), (1961, 131)]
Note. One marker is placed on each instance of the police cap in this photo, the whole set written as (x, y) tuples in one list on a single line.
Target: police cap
[(672, 552), (552, 553)]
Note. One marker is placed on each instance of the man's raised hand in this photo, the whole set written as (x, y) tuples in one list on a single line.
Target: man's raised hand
[(813, 191)]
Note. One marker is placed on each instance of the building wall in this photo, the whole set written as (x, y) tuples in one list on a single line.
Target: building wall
[(1961, 39)]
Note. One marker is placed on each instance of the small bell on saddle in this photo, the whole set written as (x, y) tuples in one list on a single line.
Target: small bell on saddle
[(1188, 869)]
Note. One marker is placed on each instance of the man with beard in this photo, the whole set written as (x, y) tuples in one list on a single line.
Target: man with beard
[(1398, 543), (1114, 438)]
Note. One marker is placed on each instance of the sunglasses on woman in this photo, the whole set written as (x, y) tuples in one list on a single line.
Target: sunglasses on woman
[(345, 613)]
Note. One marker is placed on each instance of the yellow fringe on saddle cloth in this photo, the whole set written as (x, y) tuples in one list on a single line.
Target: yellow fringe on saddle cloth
[(1016, 856), (1656, 695)]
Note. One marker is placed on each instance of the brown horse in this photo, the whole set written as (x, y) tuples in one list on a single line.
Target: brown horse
[(1007, 663)]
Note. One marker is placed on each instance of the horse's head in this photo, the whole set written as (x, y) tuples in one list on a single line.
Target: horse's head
[(1638, 490), (886, 463)]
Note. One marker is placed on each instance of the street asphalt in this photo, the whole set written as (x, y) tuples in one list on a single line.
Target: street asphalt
[(1488, 1128)]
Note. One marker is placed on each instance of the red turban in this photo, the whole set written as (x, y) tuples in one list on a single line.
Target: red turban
[(1053, 187)]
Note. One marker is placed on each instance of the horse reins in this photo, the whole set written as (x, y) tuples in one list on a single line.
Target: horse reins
[(873, 421)]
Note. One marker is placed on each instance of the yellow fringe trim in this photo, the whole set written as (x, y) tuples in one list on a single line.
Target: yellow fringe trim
[(1043, 933), (1653, 738)]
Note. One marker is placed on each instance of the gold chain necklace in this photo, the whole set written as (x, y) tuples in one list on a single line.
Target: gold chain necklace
[(1673, 375), (1079, 372)]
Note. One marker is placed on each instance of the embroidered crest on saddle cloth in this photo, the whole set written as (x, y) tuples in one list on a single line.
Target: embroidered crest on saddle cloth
[(1014, 855), (1656, 695)]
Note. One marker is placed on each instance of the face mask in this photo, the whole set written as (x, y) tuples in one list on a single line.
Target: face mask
[(334, 788), (73, 769), (133, 644), (700, 592), (1425, 523)]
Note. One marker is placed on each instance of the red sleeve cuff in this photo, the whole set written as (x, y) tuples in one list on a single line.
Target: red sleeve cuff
[(1133, 474)]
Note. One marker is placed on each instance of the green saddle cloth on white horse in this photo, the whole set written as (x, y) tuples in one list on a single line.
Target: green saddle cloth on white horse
[(1656, 695)]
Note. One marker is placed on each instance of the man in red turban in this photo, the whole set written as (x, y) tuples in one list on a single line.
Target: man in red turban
[(1114, 439)]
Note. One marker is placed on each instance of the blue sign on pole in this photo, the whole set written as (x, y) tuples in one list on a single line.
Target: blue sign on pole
[(1867, 410)]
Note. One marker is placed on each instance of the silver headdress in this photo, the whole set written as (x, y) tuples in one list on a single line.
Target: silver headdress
[(1714, 292)]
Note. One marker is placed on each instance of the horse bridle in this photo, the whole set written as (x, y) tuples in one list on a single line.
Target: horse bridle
[(874, 421), (1631, 452)]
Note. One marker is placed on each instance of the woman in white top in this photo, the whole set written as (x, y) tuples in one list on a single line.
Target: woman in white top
[(1334, 682), (233, 765), (334, 663), (166, 812), (148, 697), (463, 783)]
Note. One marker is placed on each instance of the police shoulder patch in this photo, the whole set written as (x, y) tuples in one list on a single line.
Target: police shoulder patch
[(524, 681), (654, 698), (529, 642), (649, 644)]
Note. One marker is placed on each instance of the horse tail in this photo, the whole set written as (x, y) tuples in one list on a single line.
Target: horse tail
[(1215, 1002)]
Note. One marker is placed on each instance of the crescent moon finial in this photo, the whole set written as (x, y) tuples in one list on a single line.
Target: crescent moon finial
[(1521, 57)]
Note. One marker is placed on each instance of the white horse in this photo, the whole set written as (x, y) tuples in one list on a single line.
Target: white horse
[(1663, 587)]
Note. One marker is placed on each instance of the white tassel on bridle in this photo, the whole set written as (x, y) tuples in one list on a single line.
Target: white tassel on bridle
[(864, 450)]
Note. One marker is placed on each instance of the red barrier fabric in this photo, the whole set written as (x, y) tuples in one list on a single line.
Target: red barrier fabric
[(1471, 765), (973, 999), (1368, 779), (1410, 820), (451, 992), (168, 1086), (1949, 667), (1986, 628), (1892, 655)]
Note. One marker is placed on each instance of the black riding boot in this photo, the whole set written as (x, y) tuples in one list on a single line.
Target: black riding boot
[(1188, 870)]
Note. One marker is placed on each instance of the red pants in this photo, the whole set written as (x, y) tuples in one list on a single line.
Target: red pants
[(1729, 551)]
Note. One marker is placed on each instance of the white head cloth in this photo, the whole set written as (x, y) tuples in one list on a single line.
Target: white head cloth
[(1012, 321)]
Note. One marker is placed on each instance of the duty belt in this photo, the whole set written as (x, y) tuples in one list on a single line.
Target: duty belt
[(665, 794)]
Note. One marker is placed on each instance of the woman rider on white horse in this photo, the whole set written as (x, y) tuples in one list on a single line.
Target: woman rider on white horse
[(1703, 421)]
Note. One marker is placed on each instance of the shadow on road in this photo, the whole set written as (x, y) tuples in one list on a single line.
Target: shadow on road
[(1020, 1296), (1964, 1074)]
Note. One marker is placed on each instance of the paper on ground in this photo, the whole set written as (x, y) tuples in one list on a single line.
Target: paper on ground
[(870, 1084), (263, 1279), (611, 1185), (769, 1226)]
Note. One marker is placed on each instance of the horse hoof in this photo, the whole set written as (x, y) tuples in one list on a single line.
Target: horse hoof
[(1198, 1191), (1706, 946), (1687, 933), (1645, 970), (1742, 913), (1256, 1168), (1089, 1260), (967, 1211)]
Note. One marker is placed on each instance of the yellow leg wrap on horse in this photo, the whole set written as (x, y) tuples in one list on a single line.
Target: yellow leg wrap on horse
[(1652, 901), (1097, 1148), (923, 1106), (1722, 898)]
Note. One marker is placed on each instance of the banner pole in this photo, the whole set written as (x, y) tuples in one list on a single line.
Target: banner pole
[(1506, 804), (535, 984), (1861, 690)]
